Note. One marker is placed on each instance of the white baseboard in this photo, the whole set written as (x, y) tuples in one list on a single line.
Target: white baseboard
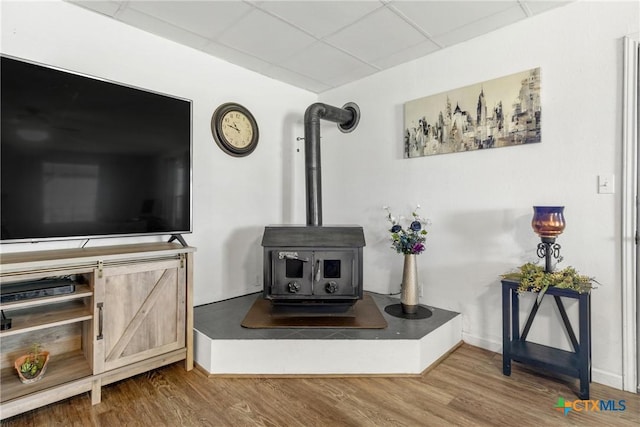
[(597, 375), (491, 345), (606, 378)]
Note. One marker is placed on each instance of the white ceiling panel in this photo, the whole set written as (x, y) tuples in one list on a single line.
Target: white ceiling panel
[(322, 62), (321, 18), (417, 51), (161, 28), (235, 56), (539, 6), (318, 45), (377, 35), (350, 76), (440, 17), (108, 8), (286, 75), (265, 37), (484, 26), (205, 18)]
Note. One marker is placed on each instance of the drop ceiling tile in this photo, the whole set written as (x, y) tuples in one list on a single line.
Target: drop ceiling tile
[(351, 76), (539, 6), (440, 17), (205, 18), (108, 8), (482, 26), (378, 35), (235, 56), (293, 41), (161, 28), (265, 37), (414, 52), (322, 62), (321, 18), (295, 79)]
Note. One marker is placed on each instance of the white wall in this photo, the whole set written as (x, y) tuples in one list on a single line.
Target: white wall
[(480, 202), (234, 198)]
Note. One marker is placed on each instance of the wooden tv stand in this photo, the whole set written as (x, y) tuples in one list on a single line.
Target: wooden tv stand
[(131, 311)]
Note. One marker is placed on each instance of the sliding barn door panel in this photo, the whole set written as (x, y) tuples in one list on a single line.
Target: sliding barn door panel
[(143, 312)]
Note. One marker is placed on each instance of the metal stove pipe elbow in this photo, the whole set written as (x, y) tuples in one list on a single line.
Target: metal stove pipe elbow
[(347, 119)]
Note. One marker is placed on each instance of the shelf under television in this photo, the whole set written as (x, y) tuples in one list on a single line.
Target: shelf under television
[(33, 318), (62, 368)]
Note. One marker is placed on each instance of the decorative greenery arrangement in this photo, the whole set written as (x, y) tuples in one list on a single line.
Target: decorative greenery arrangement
[(533, 278), (409, 241), (33, 364)]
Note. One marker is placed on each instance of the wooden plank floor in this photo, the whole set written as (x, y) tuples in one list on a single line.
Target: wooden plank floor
[(466, 389)]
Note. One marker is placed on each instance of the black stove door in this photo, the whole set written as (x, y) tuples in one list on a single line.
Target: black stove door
[(292, 272), (333, 272)]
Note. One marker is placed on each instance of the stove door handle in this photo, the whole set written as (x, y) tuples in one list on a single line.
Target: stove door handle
[(291, 255), (317, 275)]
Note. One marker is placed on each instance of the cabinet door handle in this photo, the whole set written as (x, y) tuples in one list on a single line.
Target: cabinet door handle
[(100, 306)]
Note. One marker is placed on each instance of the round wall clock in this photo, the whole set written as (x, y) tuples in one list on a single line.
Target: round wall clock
[(234, 129)]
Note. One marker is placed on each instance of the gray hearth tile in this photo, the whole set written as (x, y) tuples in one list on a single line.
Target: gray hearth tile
[(222, 320)]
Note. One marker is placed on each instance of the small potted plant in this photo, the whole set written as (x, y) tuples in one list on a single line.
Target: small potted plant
[(32, 366)]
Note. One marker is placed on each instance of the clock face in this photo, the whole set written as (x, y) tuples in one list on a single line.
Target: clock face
[(234, 129), (237, 129)]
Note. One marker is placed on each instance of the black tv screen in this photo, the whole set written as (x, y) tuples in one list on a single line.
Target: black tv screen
[(83, 157)]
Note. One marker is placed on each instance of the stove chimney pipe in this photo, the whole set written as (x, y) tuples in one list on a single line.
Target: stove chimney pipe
[(347, 118)]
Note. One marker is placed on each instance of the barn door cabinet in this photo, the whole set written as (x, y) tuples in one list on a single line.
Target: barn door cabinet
[(130, 311)]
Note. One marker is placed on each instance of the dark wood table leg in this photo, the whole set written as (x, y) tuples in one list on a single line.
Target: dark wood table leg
[(585, 345), (506, 332)]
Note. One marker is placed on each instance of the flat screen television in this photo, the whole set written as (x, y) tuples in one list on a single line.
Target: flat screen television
[(82, 157)]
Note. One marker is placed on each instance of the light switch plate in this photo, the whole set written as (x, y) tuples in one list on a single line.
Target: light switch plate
[(606, 184)]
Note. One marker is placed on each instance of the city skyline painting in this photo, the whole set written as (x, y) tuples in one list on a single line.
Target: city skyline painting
[(496, 113)]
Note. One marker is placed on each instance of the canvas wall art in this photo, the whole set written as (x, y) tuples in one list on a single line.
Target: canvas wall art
[(496, 113)]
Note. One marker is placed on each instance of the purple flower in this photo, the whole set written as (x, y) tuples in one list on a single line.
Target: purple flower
[(409, 240)]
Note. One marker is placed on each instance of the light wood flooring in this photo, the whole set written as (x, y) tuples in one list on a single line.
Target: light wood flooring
[(467, 388)]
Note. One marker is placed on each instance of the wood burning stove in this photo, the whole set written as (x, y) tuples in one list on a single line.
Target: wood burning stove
[(315, 267)]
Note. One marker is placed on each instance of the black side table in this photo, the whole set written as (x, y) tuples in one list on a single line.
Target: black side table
[(576, 364)]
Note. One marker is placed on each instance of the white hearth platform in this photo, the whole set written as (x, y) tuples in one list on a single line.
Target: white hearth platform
[(407, 346)]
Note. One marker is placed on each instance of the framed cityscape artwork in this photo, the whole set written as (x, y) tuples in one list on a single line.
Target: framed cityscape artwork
[(496, 113)]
